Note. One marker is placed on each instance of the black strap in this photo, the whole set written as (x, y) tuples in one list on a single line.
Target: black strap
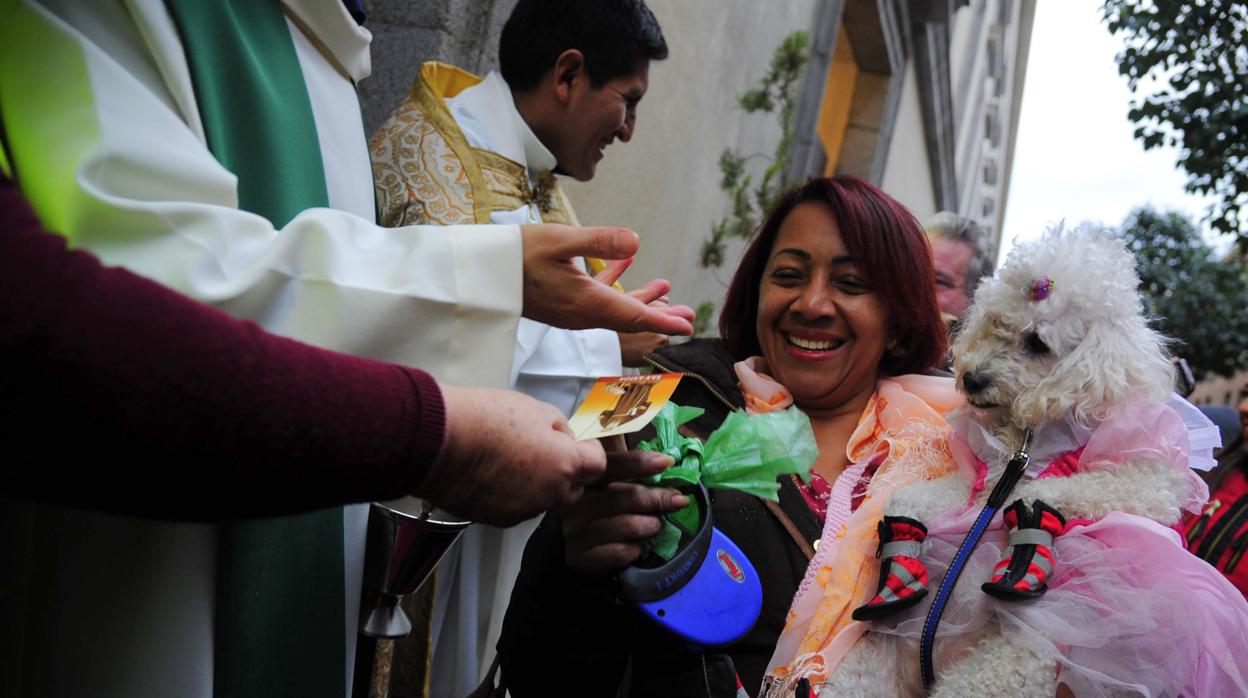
[(1013, 473), (791, 527)]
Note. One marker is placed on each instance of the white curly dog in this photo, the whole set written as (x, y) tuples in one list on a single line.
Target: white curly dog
[(1056, 346)]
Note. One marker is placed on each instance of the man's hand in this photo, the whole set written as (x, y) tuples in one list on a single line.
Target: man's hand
[(508, 458), (559, 293), (635, 345)]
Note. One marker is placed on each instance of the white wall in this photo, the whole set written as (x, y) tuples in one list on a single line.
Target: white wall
[(665, 182), (984, 34)]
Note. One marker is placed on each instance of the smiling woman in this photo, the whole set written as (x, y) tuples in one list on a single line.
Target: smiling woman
[(833, 302), (822, 327)]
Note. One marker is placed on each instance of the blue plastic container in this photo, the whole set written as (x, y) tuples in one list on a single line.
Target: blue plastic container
[(708, 594)]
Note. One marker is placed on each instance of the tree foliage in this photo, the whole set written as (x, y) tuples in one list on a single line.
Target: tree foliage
[(1191, 59), (1196, 298)]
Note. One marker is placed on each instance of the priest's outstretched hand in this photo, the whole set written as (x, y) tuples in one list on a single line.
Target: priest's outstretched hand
[(509, 457), (558, 292)]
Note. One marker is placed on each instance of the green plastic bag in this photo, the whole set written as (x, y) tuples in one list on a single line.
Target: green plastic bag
[(746, 453)]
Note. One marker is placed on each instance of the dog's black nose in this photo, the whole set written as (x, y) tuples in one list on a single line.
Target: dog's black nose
[(974, 382)]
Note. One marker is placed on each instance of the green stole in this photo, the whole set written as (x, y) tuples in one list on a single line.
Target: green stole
[(280, 607)]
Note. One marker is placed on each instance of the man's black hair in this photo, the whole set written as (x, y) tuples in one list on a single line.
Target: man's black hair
[(613, 35)]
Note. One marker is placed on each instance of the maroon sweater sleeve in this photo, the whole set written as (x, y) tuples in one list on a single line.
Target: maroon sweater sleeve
[(120, 395)]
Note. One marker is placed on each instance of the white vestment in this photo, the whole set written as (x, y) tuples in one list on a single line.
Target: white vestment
[(124, 170)]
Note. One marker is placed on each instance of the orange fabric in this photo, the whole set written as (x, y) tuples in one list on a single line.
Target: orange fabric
[(762, 393)]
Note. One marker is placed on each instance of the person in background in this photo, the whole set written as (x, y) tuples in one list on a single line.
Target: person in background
[(1219, 535), (464, 149), (964, 254)]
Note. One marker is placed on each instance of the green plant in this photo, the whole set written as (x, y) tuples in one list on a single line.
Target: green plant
[(702, 318)]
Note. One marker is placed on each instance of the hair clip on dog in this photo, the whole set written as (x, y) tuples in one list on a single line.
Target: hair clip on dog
[(1041, 289)]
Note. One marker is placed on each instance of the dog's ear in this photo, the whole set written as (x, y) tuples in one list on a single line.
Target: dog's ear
[(1116, 360)]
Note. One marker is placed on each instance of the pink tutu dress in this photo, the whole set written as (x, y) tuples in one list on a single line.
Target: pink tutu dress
[(1129, 611)]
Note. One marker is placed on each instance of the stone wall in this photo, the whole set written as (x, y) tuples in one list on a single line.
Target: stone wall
[(408, 32)]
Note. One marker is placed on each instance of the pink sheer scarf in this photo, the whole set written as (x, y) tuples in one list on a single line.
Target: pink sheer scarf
[(762, 392), (903, 418)]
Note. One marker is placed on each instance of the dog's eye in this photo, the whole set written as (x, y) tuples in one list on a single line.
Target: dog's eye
[(1034, 345)]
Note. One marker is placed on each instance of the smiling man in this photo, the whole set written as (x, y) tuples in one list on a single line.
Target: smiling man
[(464, 149)]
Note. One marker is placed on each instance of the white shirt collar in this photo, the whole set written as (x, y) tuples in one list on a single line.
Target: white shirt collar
[(489, 116)]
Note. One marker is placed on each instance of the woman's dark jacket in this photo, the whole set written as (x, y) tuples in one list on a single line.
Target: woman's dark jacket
[(567, 634)]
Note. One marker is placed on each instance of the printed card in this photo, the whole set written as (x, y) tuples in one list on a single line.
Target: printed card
[(622, 404)]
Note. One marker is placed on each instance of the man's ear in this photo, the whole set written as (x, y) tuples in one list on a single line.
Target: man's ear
[(569, 67)]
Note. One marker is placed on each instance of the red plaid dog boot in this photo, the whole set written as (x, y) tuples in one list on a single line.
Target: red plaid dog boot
[(903, 578), (1024, 571)]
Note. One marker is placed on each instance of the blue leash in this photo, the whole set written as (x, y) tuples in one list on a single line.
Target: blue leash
[(1013, 473)]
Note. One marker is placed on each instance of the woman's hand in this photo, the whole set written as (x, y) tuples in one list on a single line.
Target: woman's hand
[(604, 529), (635, 345)]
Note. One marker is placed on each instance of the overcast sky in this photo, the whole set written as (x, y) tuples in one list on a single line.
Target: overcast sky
[(1075, 156)]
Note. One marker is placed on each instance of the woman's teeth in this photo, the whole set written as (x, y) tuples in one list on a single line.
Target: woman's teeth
[(814, 344)]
